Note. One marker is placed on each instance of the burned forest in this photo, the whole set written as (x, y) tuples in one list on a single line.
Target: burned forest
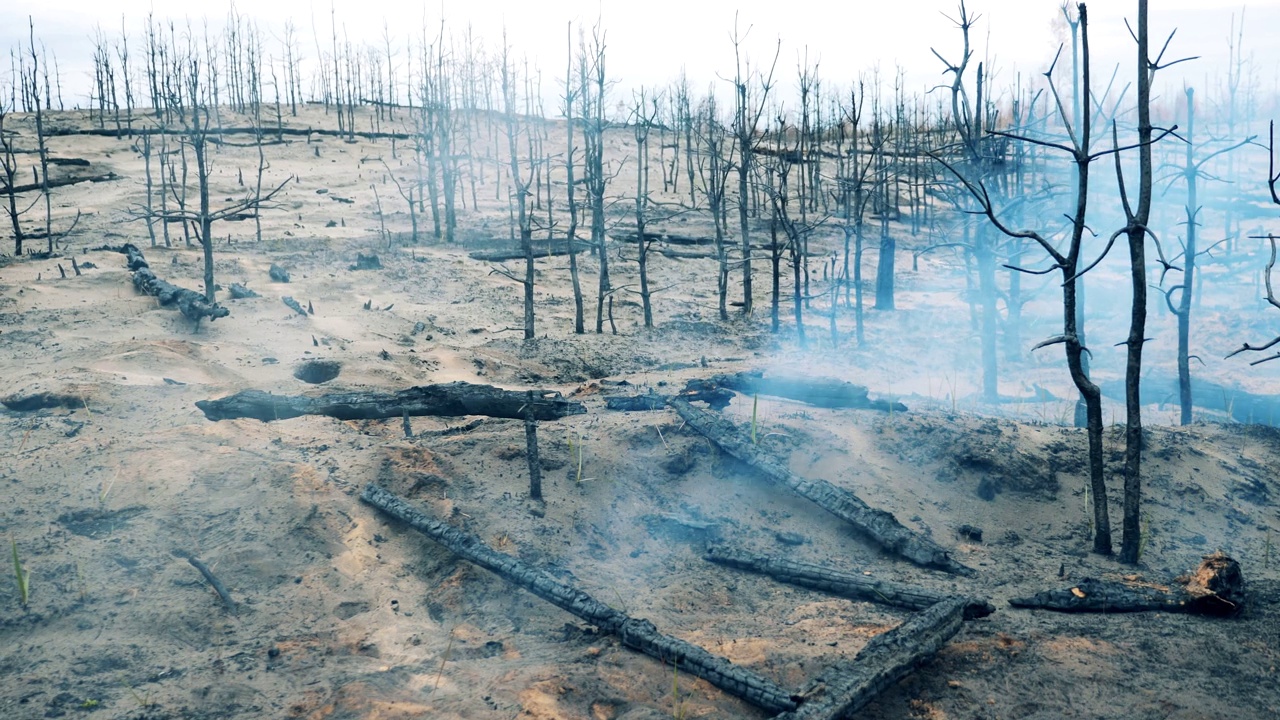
[(591, 363)]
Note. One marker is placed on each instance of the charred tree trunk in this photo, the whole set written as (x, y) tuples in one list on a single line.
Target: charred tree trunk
[(846, 688), (1215, 588), (633, 632), (531, 449), (193, 305), (449, 400), (880, 526), (844, 584)]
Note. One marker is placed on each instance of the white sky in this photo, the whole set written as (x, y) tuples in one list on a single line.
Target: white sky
[(649, 41)]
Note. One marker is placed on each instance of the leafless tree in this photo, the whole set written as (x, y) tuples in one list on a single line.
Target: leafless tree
[(749, 106), (1191, 173), (1067, 262)]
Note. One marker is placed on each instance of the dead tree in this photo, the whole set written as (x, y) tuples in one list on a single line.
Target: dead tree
[(195, 119), (716, 161), (33, 77), (844, 689), (592, 88), (980, 158), (9, 167), (1137, 230), (856, 192), (1067, 262), (1273, 178), (1190, 173), (643, 114), (520, 191), (749, 107), (571, 191)]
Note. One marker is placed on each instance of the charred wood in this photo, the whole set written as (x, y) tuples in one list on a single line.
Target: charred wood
[(294, 305), (448, 399), (843, 584), (845, 688), (190, 303), (1215, 588), (818, 391), (878, 525), (59, 182), (716, 397), (636, 633), (240, 292), (557, 248)]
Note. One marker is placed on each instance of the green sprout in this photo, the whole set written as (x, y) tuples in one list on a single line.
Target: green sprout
[(22, 576)]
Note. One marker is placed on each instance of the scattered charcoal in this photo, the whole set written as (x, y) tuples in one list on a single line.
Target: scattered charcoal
[(293, 305), (239, 292), (366, 262)]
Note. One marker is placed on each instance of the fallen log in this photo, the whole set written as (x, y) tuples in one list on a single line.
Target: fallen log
[(633, 632), (240, 292), (845, 688), (1215, 588), (190, 303), (294, 305), (59, 182), (843, 584), (559, 247), (817, 391), (878, 525), (655, 401), (228, 130), (1242, 406), (669, 238), (448, 400)]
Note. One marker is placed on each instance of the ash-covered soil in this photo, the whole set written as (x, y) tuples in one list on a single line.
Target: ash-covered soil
[(342, 614)]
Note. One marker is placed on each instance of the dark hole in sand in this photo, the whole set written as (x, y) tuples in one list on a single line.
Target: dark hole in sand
[(317, 371)]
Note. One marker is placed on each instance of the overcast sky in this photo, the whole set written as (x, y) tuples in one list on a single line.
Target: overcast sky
[(649, 41)]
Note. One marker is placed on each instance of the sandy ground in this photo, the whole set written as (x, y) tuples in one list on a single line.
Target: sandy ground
[(343, 615)]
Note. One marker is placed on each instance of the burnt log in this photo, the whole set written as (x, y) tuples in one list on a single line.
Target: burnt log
[(878, 525), (845, 688), (240, 292), (651, 237), (453, 399), (817, 391), (294, 305), (635, 633), (716, 397), (557, 248), (1215, 588), (189, 302), (366, 262), (844, 584), (278, 274), (52, 183)]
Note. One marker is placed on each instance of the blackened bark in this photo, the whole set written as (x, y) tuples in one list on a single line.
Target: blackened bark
[(878, 525), (634, 632), (449, 400), (850, 585)]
